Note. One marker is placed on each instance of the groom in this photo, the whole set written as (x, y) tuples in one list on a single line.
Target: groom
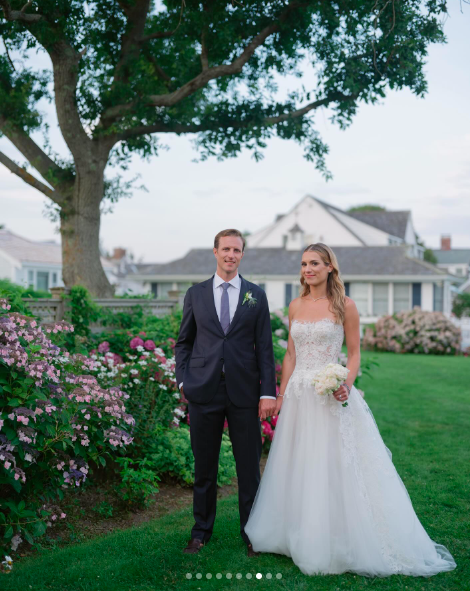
[(225, 368)]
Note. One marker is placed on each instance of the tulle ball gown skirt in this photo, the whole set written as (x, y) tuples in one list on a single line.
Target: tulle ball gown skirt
[(330, 496)]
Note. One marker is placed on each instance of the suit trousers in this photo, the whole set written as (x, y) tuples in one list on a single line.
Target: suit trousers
[(206, 428)]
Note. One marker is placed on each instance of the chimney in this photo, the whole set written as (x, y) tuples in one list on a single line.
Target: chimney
[(445, 242), (119, 253)]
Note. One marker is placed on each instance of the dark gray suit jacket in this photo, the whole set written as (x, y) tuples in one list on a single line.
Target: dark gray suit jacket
[(246, 350)]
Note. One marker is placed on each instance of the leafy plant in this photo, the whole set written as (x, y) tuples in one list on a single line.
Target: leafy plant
[(461, 305), (104, 509), (170, 453), (138, 481)]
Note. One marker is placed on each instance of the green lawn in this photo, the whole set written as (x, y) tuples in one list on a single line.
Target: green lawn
[(421, 404)]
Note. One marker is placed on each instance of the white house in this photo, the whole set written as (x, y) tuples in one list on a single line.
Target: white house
[(453, 260), (31, 263), (312, 220), (381, 264)]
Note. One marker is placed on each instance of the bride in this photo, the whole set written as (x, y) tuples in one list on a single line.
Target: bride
[(330, 496)]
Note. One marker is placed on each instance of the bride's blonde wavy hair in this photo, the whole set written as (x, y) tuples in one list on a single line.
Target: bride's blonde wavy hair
[(335, 287)]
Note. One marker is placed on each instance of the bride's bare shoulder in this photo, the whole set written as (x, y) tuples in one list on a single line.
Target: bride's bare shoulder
[(294, 305), (349, 306)]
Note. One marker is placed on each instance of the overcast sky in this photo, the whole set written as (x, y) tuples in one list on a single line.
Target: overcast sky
[(406, 153)]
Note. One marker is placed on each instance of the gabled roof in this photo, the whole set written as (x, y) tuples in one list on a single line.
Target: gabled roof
[(454, 256), (392, 222), (296, 228), (356, 260)]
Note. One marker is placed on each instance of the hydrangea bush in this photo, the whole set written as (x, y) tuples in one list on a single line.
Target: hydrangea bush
[(414, 331), (146, 372), (57, 421)]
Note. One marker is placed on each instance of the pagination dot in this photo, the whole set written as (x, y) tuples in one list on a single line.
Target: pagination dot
[(259, 576), (189, 576), (278, 576)]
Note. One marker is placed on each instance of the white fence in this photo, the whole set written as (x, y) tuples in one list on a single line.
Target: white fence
[(53, 309)]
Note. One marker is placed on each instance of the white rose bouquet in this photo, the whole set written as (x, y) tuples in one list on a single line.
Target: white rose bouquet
[(329, 379)]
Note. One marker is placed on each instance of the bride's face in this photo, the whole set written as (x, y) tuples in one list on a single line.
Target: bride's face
[(313, 269)]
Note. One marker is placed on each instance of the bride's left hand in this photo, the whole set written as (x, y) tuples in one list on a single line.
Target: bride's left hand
[(341, 394)]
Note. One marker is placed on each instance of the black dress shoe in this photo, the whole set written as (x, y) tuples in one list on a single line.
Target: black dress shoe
[(193, 546), (251, 552)]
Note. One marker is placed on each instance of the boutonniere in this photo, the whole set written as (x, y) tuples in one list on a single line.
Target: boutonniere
[(250, 299)]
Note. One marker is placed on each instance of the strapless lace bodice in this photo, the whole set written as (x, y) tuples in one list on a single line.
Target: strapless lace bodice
[(316, 344)]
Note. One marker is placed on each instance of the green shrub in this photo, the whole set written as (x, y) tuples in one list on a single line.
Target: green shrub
[(461, 305), (138, 481), (170, 453)]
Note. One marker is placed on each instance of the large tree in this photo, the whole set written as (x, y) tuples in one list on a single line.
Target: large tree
[(126, 72)]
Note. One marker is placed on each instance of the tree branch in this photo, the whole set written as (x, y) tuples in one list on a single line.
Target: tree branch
[(235, 123), (31, 151), (164, 34), (30, 179), (19, 15), (235, 67)]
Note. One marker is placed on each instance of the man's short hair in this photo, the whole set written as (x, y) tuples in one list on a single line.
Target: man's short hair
[(230, 232)]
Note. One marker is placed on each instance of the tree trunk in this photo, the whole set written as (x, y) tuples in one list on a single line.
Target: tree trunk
[(80, 230)]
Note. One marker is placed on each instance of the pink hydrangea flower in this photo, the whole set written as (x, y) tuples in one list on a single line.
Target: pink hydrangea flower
[(150, 345), (136, 342), (103, 347)]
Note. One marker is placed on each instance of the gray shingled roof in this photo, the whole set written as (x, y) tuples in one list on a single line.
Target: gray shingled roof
[(358, 260), (454, 256), (392, 222)]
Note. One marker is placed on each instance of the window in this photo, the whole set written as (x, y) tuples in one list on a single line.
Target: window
[(416, 295), (346, 288), (183, 287), (284, 241), (163, 289), (401, 297), (438, 297), (54, 279), (43, 280), (31, 278), (379, 299), (459, 271), (154, 289), (288, 294), (359, 292)]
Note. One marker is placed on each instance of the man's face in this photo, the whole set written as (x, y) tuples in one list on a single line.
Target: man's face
[(229, 254)]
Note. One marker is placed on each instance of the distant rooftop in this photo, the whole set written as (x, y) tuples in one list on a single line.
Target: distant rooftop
[(455, 255), (357, 260)]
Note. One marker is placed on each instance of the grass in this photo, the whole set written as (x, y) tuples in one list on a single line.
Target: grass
[(421, 405)]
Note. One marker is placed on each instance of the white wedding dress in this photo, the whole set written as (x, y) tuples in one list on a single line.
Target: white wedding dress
[(330, 496)]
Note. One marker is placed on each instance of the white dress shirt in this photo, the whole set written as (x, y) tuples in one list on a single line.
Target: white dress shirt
[(233, 297)]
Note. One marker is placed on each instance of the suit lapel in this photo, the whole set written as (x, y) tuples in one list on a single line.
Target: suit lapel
[(209, 302), (240, 309)]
